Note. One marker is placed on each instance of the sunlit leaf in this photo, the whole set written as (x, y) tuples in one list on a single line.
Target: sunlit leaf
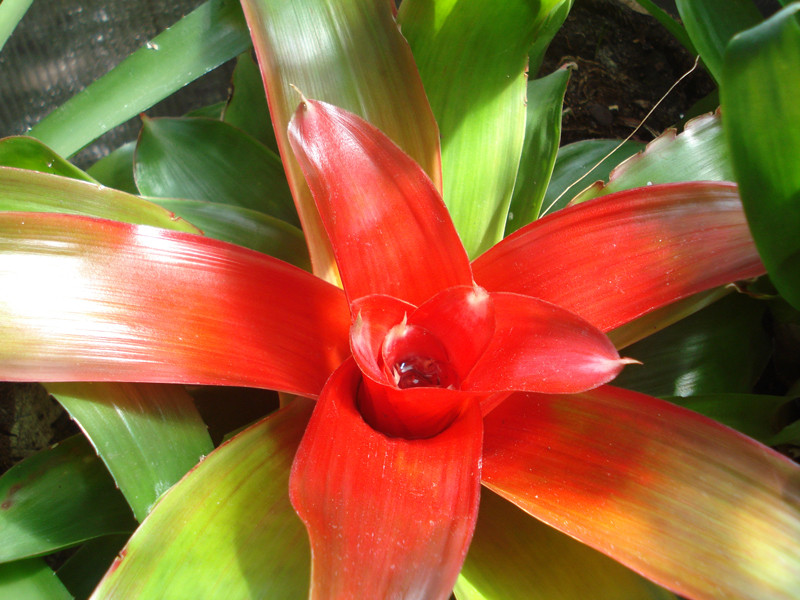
[(542, 134), (232, 516), (349, 53), (472, 58), (204, 159), (763, 131), (616, 258), (30, 579), (148, 436), (29, 153), (137, 303), (58, 498), (30, 191), (690, 504), (516, 557), (202, 40), (699, 153), (712, 23), (11, 13)]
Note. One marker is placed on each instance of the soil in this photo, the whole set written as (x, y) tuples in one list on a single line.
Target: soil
[(625, 62)]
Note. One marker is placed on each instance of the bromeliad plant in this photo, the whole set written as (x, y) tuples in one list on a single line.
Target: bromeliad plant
[(450, 392)]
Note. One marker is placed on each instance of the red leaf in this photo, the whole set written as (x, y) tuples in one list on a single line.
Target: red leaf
[(539, 347), (690, 504), (95, 300), (390, 230), (387, 517), (615, 258)]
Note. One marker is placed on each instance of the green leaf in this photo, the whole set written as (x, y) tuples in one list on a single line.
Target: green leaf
[(227, 530), (82, 571), (201, 41), (203, 159), (148, 436), (516, 557), (712, 23), (11, 13), (116, 169), (720, 349), (29, 153), (247, 108), (472, 57), (30, 579), (349, 53), (56, 499), (249, 228), (580, 163), (550, 27), (764, 418), (542, 135), (699, 153), (761, 115), (29, 191)]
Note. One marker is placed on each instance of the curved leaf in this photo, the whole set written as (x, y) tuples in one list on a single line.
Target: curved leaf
[(722, 348), (31, 579), (29, 191), (712, 23), (616, 258), (516, 557), (99, 300), (29, 153), (116, 169), (148, 436), (585, 158), (58, 498), (11, 13), (542, 135), (763, 131), (390, 231), (244, 227), (472, 57), (204, 39), (349, 53), (232, 516), (690, 504), (247, 108), (204, 159), (387, 517), (698, 153)]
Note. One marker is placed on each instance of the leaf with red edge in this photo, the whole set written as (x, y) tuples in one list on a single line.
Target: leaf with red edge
[(390, 230), (387, 517), (540, 347), (95, 300), (349, 53), (689, 503), (616, 258)]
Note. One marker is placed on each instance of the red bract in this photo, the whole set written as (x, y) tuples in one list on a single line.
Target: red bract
[(387, 477)]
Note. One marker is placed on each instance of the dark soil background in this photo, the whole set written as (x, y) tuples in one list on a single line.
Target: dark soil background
[(625, 60)]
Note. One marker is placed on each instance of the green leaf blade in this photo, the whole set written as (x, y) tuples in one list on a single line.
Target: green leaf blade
[(201, 41), (231, 515), (148, 436), (761, 116), (56, 499)]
